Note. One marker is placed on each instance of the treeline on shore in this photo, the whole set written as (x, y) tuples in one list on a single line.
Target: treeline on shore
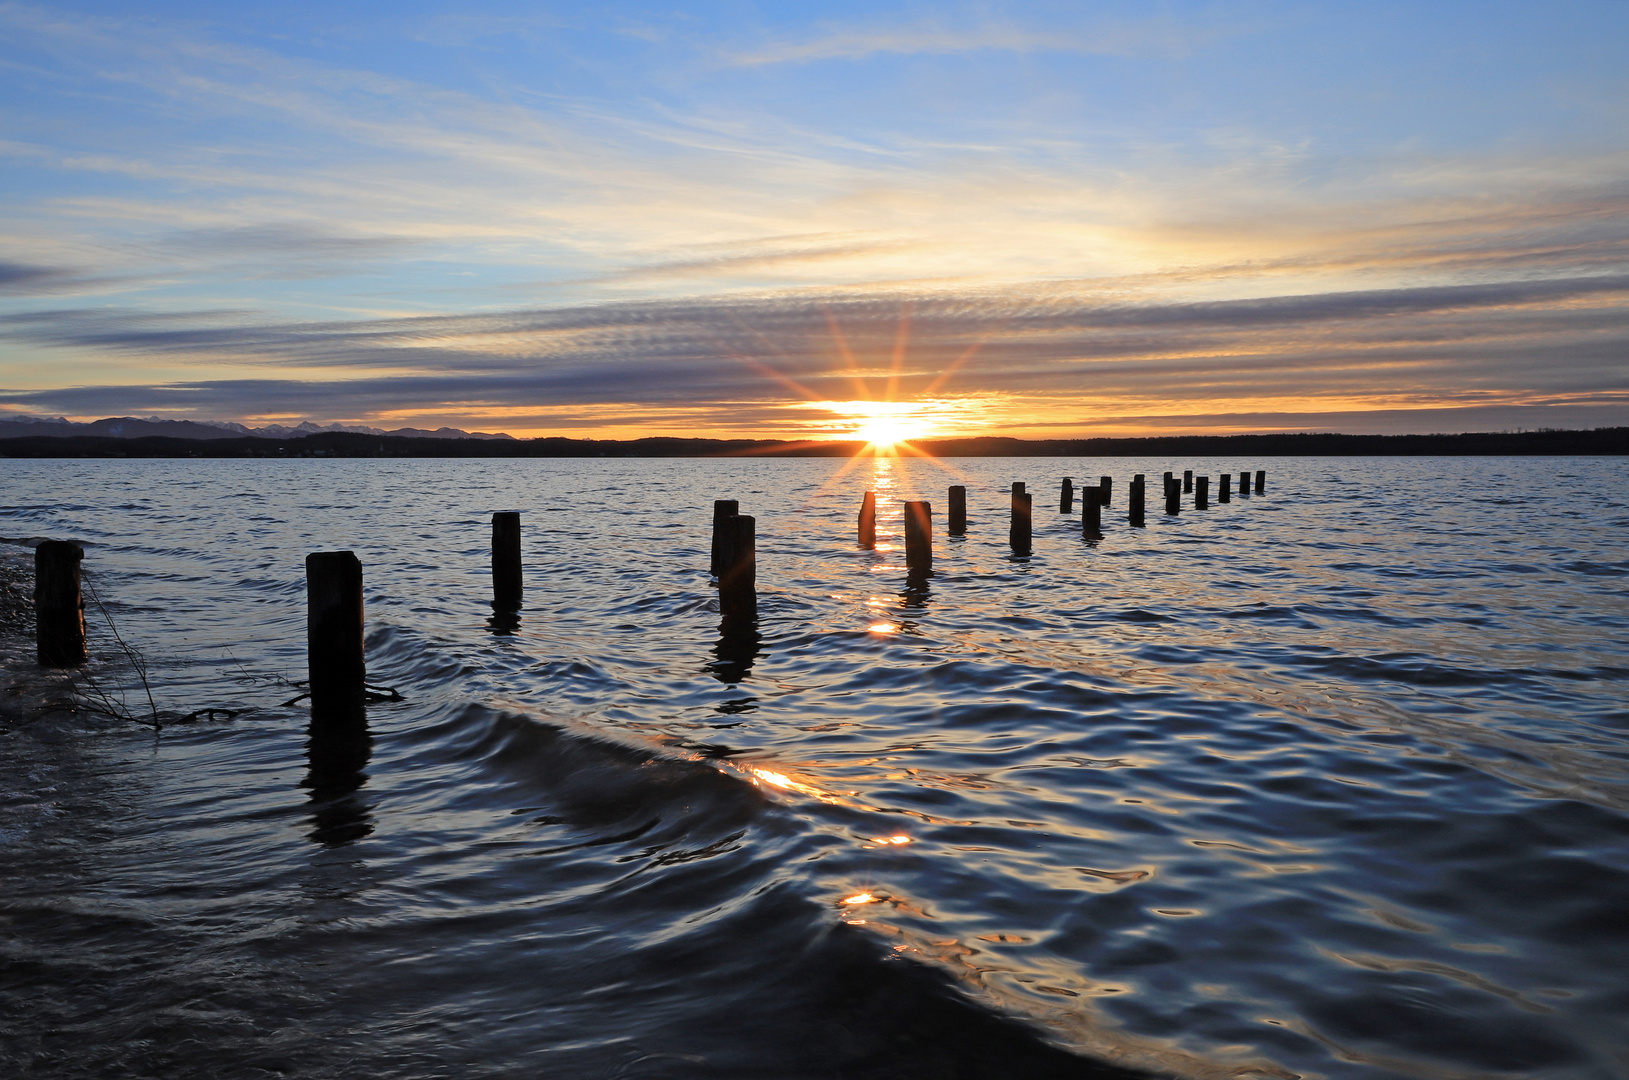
[(1613, 440)]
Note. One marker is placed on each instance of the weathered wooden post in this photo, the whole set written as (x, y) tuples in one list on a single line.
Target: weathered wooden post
[(1091, 512), (59, 605), (1244, 483), (506, 577), (1066, 496), (1167, 481), (1261, 481), (1187, 481), (1105, 484), (918, 536), (738, 582), (868, 520), (958, 510), (1135, 500), (334, 661), (723, 511), (1201, 493), (1173, 496), (1018, 533), (1224, 487)]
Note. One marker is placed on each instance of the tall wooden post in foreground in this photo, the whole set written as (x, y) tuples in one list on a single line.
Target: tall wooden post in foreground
[(1018, 533), (918, 536), (723, 511), (738, 578), (958, 510), (1091, 512), (333, 592), (1201, 493), (1224, 487), (1136, 497), (506, 577), (1173, 495), (868, 520), (59, 606)]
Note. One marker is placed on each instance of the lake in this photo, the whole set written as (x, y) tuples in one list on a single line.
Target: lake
[(1328, 781)]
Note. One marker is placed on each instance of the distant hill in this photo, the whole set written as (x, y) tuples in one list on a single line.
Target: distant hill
[(130, 427)]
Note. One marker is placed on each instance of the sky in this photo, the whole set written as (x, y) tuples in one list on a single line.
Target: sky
[(787, 221)]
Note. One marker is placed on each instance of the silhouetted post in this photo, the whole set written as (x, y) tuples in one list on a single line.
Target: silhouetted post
[(333, 634), (1224, 487), (1066, 496), (1187, 481), (1261, 481), (1173, 496), (1167, 486), (1018, 487), (919, 536), (958, 510), (1091, 512), (1105, 484), (506, 581), (723, 511), (1201, 493), (868, 520), (1135, 498), (59, 606), (1018, 534), (1244, 484), (738, 582)]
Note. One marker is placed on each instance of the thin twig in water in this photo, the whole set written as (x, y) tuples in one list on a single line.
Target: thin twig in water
[(135, 658)]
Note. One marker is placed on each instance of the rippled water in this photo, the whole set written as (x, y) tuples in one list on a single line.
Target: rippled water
[(1329, 781)]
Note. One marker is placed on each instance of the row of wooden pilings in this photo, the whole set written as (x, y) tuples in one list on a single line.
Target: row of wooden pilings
[(334, 625)]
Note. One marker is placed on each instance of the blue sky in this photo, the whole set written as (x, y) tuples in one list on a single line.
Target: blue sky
[(733, 219)]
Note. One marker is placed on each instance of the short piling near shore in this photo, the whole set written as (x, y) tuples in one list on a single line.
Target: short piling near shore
[(506, 573), (867, 528), (957, 523), (918, 536), (59, 605), (334, 658), (1019, 532)]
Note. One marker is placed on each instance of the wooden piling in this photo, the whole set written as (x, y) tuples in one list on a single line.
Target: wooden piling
[(1201, 493), (1066, 496), (1187, 481), (919, 536), (1105, 484), (1244, 483), (1018, 533), (506, 576), (958, 510), (723, 510), (1091, 512), (868, 520), (738, 581), (1173, 496), (1261, 481), (334, 660), (1135, 498), (1224, 487), (59, 605)]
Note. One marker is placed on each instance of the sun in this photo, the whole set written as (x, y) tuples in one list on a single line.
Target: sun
[(883, 432)]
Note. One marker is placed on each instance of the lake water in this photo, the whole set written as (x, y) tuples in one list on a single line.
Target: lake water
[(1331, 781)]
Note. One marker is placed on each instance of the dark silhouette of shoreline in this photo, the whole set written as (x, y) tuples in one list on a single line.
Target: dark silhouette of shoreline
[(1613, 440)]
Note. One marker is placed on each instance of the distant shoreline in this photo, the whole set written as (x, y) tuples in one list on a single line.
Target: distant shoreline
[(1600, 441)]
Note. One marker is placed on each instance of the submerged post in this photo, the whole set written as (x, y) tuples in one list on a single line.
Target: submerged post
[(1201, 493), (1173, 496), (1135, 499), (506, 578), (868, 520), (1066, 496), (738, 580), (1091, 512), (59, 606), (1018, 533), (919, 536), (333, 635), (1224, 487), (1187, 481), (1261, 481), (958, 510), (723, 511)]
